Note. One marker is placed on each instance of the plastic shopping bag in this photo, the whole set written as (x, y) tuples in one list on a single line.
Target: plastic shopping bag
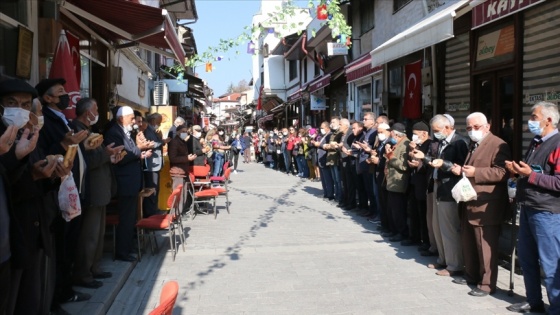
[(463, 190), (69, 198)]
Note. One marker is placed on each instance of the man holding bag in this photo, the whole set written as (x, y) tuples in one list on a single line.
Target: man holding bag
[(481, 219)]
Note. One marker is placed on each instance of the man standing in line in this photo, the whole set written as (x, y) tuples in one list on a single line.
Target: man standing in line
[(365, 144), (482, 218), (128, 172), (452, 148), (397, 180), (538, 194), (154, 163), (248, 143)]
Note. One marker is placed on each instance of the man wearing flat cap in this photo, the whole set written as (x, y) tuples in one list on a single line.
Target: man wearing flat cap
[(56, 137), (128, 172), (15, 99), (396, 154), (420, 232)]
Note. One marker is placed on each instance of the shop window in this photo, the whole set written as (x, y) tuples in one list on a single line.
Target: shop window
[(15, 9), (395, 82), (367, 20), (8, 50), (364, 97), (399, 4), (495, 46), (292, 71), (377, 90)]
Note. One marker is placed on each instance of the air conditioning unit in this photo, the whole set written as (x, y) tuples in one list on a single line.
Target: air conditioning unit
[(161, 93)]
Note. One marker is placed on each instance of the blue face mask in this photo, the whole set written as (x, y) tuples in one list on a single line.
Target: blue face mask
[(535, 127), (392, 141)]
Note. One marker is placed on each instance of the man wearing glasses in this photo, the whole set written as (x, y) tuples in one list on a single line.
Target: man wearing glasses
[(364, 146)]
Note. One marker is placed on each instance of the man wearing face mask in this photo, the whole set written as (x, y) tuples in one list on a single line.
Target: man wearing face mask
[(153, 164), (128, 172), (333, 158), (364, 146), (322, 147), (55, 138), (538, 194), (449, 149), (379, 160), (481, 219), (195, 147), (420, 233), (101, 183)]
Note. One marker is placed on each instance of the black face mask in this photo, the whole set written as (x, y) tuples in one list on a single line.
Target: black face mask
[(64, 101)]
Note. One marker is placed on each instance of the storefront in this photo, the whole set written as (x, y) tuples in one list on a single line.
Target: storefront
[(365, 85), (514, 64)]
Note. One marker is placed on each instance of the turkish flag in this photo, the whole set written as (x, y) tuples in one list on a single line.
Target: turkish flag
[(74, 43), (63, 67), (412, 107)]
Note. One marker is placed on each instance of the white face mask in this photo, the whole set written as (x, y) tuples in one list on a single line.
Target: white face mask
[(135, 127), (197, 134), (416, 139), (475, 135), (381, 136), (440, 135), (221, 133), (323, 131), (94, 120), (285, 133), (15, 116), (40, 122), (183, 135), (128, 128)]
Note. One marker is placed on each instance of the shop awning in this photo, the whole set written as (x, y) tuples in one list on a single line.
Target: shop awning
[(270, 101), (149, 27), (435, 28), (320, 83), (360, 68), (264, 119), (296, 95)]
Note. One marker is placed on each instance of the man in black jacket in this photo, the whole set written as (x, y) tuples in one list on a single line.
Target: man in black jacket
[(449, 149), (128, 172)]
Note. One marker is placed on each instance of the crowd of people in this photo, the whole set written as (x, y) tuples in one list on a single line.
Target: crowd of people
[(404, 185), (370, 167)]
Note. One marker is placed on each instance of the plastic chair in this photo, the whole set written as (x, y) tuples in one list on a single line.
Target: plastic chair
[(167, 299), (220, 186), (161, 222), (201, 194)]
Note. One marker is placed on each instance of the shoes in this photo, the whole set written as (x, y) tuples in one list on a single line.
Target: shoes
[(463, 281), (478, 292), (365, 214), (93, 284), (102, 275), (388, 234), (525, 307), (235, 172), (448, 273), (373, 221), (349, 207), (409, 242), (396, 238), (427, 253), (341, 205), (436, 266), (129, 258), (423, 247), (78, 297)]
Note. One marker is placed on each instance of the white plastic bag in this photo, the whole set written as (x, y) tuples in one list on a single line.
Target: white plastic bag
[(463, 190), (69, 198)]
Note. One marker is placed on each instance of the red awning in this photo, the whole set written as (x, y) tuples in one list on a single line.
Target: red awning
[(320, 83), (131, 21), (360, 68)]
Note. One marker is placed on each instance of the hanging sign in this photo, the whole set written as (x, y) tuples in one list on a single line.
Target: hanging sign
[(337, 49)]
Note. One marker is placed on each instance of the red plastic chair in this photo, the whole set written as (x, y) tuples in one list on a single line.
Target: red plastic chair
[(167, 299), (201, 193), (220, 186)]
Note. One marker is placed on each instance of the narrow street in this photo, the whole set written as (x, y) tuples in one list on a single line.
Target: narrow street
[(283, 250)]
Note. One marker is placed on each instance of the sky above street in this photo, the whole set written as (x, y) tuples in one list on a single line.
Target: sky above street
[(219, 19)]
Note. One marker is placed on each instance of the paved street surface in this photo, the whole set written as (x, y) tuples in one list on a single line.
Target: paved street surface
[(283, 250)]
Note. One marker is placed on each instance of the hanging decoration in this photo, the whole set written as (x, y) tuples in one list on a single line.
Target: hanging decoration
[(322, 12), (208, 67), (251, 48)]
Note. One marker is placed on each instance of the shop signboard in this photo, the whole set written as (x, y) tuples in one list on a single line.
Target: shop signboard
[(498, 43), (337, 49), (492, 10), (318, 102)]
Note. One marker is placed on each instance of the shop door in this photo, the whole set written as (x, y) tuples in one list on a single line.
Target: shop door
[(494, 98)]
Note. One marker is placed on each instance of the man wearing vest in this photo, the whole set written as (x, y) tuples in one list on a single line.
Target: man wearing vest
[(538, 193)]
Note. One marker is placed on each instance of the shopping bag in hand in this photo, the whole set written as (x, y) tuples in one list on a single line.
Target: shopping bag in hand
[(69, 198), (463, 190)]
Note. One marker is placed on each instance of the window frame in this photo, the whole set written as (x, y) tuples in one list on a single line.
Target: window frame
[(367, 9), (399, 4), (292, 70)]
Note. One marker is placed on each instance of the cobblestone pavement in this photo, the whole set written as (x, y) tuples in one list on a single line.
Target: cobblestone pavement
[(284, 250)]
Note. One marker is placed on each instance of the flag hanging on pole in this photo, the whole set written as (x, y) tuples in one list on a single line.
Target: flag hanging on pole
[(412, 107), (74, 43), (63, 67)]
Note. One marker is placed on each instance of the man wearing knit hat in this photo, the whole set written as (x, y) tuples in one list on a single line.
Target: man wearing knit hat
[(420, 232), (128, 172)]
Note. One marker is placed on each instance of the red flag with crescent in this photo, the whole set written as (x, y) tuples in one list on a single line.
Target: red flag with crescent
[(74, 43), (259, 102), (412, 107), (63, 67)]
